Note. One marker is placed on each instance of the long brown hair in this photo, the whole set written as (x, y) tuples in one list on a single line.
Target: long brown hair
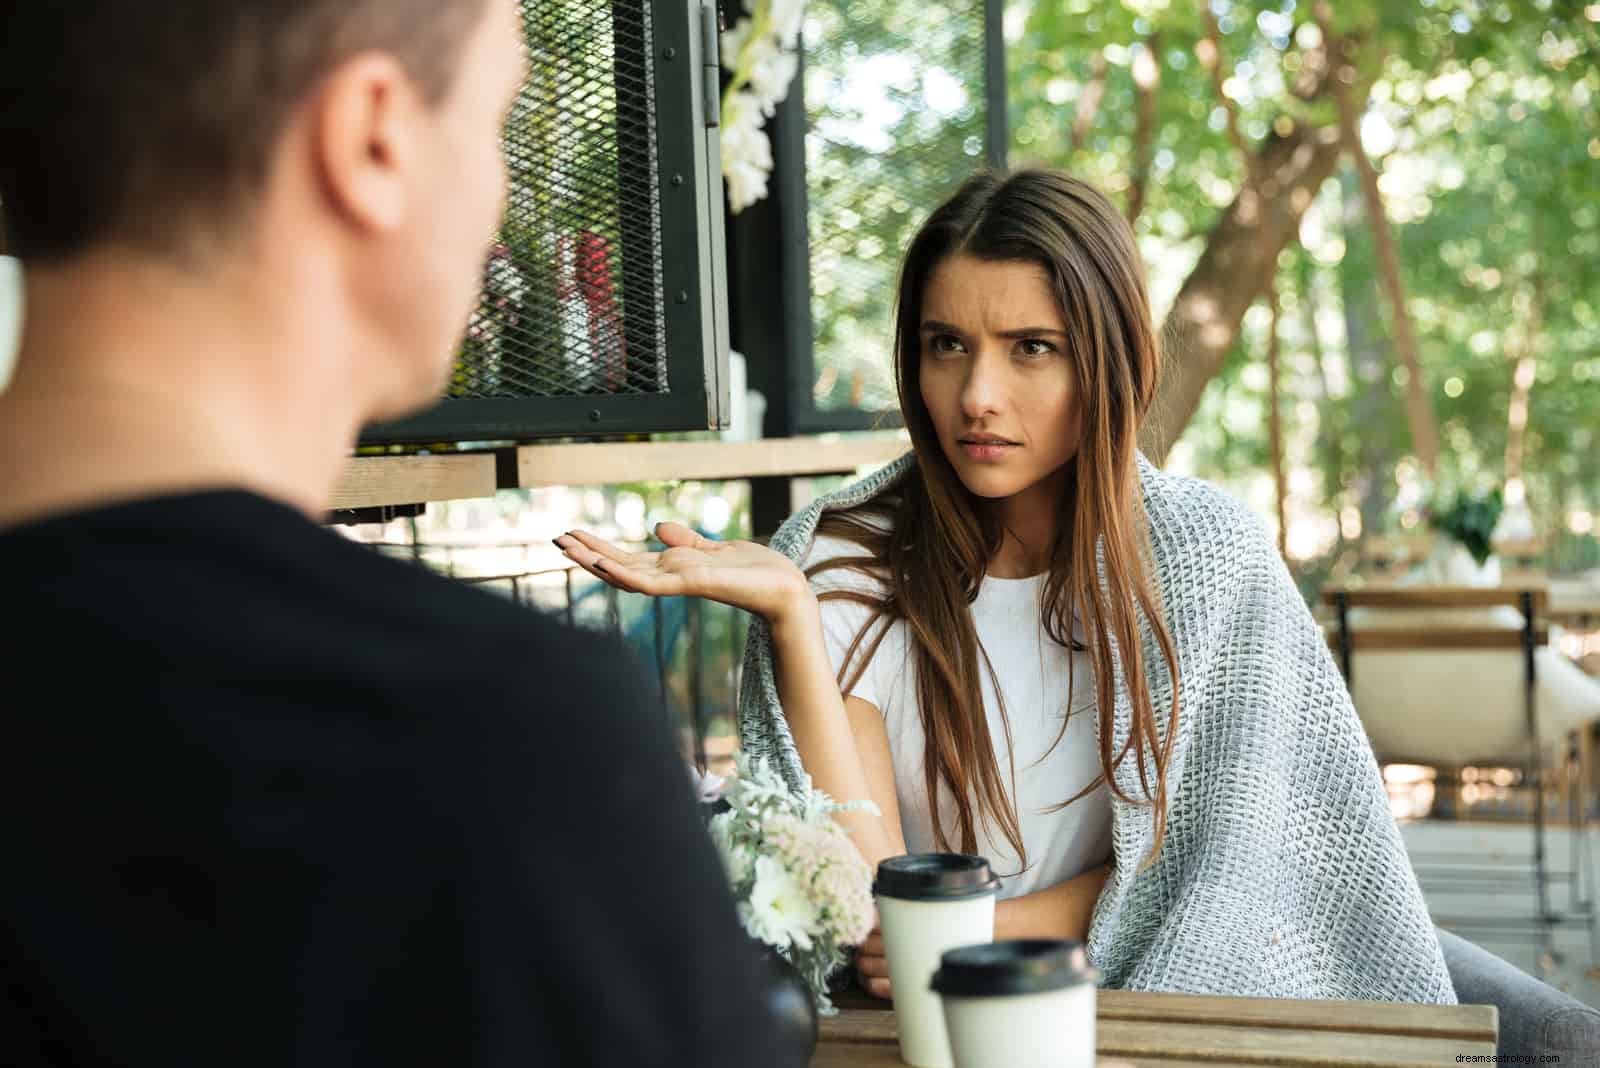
[(928, 544)]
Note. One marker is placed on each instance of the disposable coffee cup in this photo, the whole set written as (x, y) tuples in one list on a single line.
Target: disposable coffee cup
[(1027, 1003), (928, 903)]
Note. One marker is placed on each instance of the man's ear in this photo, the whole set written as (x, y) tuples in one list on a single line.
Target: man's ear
[(365, 137)]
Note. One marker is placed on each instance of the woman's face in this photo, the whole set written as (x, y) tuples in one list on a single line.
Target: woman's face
[(996, 376)]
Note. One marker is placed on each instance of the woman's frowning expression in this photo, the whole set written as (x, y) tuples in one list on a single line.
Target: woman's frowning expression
[(996, 374)]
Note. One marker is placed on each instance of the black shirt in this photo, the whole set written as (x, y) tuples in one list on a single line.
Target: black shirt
[(267, 797)]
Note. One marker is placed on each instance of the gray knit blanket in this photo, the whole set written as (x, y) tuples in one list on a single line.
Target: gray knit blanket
[(1282, 873)]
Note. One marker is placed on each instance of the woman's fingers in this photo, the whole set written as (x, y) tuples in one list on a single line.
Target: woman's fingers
[(676, 534), (872, 965), (601, 548), (641, 580), (874, 975), (710, 569)]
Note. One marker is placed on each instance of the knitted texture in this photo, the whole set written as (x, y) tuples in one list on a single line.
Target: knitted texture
[(1282, 873)]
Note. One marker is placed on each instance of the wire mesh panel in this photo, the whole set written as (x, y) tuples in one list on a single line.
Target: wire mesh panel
[(593, 314), (572, 299), (896, 119)]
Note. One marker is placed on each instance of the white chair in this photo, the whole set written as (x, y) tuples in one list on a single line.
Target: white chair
[(1453, 677)]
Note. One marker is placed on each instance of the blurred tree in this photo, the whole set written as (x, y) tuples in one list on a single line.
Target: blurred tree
[(1478, 122)]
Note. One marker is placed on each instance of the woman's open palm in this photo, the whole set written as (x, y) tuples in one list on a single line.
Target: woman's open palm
[(738, 573)]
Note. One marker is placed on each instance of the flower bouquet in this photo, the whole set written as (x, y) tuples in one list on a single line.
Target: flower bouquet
[(800, 885)]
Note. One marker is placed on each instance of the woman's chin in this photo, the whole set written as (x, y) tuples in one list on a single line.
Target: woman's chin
[(988, 483)]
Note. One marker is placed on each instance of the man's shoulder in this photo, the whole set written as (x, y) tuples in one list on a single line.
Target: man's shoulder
[(478, 635), (237, 586)]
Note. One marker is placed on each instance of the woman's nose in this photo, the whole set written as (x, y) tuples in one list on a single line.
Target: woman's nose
[(984, 389)]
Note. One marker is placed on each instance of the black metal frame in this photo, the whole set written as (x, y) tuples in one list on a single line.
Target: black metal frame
[(689, 186)]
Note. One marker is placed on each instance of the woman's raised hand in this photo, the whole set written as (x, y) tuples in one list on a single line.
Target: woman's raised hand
[(738, 573)]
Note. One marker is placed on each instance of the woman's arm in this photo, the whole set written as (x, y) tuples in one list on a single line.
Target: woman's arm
[(842, 741), (1060, 911), (842, 744)]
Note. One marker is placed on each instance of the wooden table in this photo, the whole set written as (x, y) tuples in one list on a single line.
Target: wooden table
[(1176, 1030)]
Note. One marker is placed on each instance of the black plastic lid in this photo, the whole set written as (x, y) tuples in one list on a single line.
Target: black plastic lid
[(935, 877), (1021, 966)]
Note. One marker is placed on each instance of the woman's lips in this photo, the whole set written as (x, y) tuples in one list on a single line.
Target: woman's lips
[(987, 450)]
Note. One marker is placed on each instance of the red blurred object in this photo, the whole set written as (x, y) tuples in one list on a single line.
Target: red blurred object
[(591, 320)]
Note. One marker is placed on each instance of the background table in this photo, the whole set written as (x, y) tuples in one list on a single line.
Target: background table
[(1172, 1030)]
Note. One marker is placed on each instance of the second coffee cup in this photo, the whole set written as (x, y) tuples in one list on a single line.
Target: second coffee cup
[(928, 903), (1024, 1004)]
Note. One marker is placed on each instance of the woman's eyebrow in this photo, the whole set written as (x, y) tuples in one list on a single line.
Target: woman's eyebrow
[(1032, 331), (934, 326)]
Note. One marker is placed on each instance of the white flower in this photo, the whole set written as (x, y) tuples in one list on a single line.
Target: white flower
[(736, 857), (746, 152), (779, 912), (771, 74), (763, 65), (707, 785), (746, 184), (787, 16), (733, 41)]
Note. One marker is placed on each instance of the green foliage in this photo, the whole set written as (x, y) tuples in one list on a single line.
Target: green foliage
[(1469, 518), (1484, 120)]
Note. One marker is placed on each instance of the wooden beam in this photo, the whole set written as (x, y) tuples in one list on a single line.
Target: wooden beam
[(371, 481), (1383, 595), (1441, 637), (651, 461)]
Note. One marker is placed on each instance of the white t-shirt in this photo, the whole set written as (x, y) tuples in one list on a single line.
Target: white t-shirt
[(1032, 670)]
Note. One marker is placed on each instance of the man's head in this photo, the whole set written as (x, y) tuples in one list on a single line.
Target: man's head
[(363, 133)]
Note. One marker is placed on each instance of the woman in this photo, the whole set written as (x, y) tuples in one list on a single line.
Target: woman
[(1023, 640)]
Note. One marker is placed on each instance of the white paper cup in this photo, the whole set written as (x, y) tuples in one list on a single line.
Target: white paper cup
[(928, 903), (1023, 1004)]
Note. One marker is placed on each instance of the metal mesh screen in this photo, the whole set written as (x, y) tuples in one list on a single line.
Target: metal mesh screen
[(895, 114), (572, 298)]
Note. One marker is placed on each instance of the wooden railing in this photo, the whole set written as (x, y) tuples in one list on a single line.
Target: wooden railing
[(380, 481)]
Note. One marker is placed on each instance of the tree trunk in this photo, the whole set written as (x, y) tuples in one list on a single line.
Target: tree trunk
[(1240, 259), (1372, 401), (1525, 367), (1331, 419), (1088, 103), (1210, 53), (1329, 430), (1146, 81), (1419, 410), (1280, 481)]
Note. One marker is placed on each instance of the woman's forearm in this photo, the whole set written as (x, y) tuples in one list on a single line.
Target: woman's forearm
[(817, 719), (1060, 911)]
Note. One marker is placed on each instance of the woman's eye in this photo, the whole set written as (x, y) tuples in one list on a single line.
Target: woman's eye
[(1035, 348), (944, 345)]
